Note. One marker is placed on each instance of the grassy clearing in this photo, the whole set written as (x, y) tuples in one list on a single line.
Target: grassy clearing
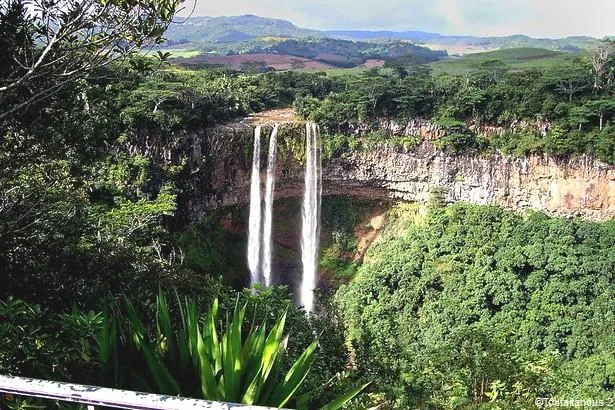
[(183, 53), (515, 58)]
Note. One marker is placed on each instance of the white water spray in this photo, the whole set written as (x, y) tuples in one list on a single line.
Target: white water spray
[(311, 215), (254, 240), (269, 191)]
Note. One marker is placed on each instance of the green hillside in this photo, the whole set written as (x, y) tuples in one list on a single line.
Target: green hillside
[(518, 58), (237, 29), (203, 30), (248, 34), (568, 44), (464, 44)]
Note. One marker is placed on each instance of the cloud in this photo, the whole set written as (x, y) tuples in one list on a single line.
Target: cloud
[(541, 18), (452, 11), (546, 18)]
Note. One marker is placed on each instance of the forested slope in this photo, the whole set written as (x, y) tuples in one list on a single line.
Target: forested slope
[(473, 303)]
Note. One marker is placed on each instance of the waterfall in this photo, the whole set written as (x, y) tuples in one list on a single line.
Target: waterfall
[(254, 240), (269, 190), (311, 215)]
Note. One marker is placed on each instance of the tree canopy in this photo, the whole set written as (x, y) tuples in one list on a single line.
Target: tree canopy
[(477, 304)]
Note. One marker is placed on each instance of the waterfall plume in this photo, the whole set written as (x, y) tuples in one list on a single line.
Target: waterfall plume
[(310, 215), (269, 192), (254, 240)]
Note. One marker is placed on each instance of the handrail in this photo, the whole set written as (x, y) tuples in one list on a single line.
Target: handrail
[(103, 396)]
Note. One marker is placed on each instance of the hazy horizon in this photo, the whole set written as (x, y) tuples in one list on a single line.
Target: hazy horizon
[(481, 18)]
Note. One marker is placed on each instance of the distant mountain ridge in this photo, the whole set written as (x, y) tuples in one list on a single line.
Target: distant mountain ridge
[(295, 47), (574, 43), (366, 35), (235, 29)]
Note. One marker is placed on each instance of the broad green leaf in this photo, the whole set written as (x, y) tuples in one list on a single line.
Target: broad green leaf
[(341, 401), (208, 378), (163, 378), (165, 328), (295, 376)]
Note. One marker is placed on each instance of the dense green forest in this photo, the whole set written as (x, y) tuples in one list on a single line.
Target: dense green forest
[(453, 307), (474, 304), (575, 98)]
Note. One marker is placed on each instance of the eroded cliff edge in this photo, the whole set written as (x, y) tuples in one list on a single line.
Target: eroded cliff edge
[(220, 162), (574, 187)]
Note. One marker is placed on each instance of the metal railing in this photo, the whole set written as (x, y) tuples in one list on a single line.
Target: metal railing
[(102, 396)]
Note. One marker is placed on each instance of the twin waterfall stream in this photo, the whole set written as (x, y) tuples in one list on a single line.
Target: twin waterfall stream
[(260, 242)]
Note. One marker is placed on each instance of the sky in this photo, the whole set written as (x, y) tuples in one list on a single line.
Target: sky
[(537, 18)]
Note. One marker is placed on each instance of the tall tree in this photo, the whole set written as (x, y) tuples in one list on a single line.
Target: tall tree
[(603, 66), (49, 43), (570, 79), (601, 108)]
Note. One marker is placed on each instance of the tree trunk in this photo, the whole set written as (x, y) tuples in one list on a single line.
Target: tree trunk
[(601, 119)]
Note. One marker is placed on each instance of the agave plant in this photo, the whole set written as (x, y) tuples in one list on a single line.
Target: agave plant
[(200, 360)]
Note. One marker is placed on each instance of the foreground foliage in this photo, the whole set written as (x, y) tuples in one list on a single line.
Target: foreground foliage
[(50, 44), (252, 349), (207, 362)]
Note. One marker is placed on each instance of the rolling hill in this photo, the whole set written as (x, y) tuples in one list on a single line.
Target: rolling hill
[(466, 44), (279, 44), (514, 58), (309, 52), (224, 31), (217, 40), (202, 30)]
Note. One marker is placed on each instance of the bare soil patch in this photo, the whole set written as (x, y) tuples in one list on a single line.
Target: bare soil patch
[(372, 63), (275, 61)]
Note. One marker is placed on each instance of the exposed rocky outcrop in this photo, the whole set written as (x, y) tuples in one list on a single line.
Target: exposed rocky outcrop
[(219, 161), (574, 187)]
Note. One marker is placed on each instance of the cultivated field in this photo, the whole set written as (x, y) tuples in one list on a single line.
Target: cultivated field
[(372, 63), (275, 61)]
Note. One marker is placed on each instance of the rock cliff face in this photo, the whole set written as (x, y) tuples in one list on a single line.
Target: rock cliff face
[(574, 187), (220, 161)]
